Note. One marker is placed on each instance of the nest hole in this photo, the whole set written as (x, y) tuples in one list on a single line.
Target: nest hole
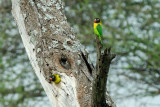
[(64, 62)]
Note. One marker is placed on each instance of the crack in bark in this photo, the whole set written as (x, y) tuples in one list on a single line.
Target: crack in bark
[(87, 64)]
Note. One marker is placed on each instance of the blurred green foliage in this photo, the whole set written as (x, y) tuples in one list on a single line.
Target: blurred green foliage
[(131, 28), (18, 83)]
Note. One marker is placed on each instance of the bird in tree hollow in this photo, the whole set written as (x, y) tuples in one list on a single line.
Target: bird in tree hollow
[(55, 78), (98, 29)]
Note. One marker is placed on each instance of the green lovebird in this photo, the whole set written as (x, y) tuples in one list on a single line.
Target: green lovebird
[(98, 29)]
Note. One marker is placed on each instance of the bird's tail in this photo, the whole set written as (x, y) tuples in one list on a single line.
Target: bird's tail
[(101, 40)]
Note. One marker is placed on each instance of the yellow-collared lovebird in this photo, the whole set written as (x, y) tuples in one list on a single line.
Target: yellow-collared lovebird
[(98, 29), (55, 78)]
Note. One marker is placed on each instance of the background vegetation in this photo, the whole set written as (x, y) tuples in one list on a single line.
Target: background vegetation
[(131, 28)]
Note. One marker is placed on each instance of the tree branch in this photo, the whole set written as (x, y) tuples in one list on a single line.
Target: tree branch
[(53, 49), (101, 75)]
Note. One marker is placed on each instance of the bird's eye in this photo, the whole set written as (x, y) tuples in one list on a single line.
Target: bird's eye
[(98, 20)]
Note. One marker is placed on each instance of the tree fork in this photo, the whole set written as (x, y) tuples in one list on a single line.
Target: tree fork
[(52, 48), (100, 75)]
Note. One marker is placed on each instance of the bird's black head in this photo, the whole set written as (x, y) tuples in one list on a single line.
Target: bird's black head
[(52, 78), (97, 20)]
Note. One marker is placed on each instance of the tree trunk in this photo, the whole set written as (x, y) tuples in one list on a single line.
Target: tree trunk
[(53, 49)]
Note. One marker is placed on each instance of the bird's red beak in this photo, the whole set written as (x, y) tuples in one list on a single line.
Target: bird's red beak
[(94, 20)]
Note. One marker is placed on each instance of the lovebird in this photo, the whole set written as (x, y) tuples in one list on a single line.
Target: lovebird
[(98, 29), (55, 78)]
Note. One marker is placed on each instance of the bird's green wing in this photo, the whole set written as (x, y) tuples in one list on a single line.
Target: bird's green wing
[(99, 29)]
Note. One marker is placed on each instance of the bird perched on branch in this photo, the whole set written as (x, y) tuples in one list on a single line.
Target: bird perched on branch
[(98, 29), (55, 78)]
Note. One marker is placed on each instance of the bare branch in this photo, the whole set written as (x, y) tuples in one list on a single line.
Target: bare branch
[(100, 77)]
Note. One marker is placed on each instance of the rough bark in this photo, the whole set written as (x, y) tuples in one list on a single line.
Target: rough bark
[(103, 62), (53, 49)]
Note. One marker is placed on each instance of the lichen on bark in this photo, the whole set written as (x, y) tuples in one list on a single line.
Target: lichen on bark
[(53, 49)]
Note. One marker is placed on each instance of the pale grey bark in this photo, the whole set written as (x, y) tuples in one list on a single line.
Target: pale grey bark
[(53, 49)]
